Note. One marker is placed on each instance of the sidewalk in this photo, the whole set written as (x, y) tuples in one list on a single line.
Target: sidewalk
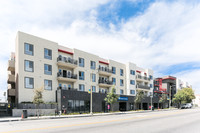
[(10, 119)]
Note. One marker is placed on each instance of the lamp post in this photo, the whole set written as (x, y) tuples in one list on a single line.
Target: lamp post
[(151, 101)]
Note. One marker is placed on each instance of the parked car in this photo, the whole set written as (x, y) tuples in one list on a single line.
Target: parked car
[(183, 106), (188, 106)]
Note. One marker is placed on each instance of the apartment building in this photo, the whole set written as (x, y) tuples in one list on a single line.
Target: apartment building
[(67, 75), (182, 84)]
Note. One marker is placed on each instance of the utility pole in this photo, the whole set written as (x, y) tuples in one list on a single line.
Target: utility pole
[(151, 101)]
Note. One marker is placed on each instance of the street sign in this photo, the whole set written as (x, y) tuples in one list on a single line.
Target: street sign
[(89, 90), (123, 98)]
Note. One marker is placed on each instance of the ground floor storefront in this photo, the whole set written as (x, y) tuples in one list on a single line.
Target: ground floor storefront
[(76, 101)]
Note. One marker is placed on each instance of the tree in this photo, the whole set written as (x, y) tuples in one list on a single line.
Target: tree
[(163, 99), (38, 98), (139, 96), (111, 97), (184, 96)]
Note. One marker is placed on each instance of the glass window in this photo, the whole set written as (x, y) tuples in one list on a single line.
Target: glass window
[(132, 72), (121, 82), (93, 77), (151, 77), (81, 75), (29, 82), (93, 88), (151, 85), (28, 66), (81, 87), (47, 54), (121, 72), (114, 70), (114, 81), (132, 82), (47, 84), (132, 91), (93, 65), (81, 62), (47, 69), (28, 49), (121, 92)]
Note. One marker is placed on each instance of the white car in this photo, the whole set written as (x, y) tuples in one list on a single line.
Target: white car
[(188, 106)]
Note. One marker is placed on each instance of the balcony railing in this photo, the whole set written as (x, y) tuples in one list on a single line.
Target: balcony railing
[(11, 92), (11, 78), (142, 77), (67, 88), (11, 65), (101, 81), (143, 87), (105, 71), (72, 76), (67, 61)]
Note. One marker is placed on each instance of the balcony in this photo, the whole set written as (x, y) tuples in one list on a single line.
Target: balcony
[(67, 62), (105, 71), (142, 78), (105, 83), (143, 87), (11, 92), (11, 79), (67, 77), (67, 88), (11, 65)]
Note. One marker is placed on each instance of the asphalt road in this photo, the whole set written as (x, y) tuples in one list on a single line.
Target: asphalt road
[(173, 121)]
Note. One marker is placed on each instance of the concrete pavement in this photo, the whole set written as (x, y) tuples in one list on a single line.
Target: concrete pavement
[(172, 121), (9, 119)]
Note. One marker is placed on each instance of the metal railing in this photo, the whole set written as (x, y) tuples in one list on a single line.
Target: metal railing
[(67, 60), (105, 69), (143, 87), (103, 81), (66, 88), (67, 75)]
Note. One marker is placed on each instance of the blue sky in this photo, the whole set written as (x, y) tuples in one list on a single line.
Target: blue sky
[(159, 34)]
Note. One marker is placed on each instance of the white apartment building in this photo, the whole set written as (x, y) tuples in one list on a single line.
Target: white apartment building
[(182, 84), (39, 63)]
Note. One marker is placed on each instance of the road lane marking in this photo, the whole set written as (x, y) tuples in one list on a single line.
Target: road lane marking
[(92, 123)]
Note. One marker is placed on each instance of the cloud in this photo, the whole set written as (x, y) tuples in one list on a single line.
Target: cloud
[(163, 36)]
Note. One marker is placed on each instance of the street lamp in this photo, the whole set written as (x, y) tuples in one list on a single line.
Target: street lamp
[(170, 95), (91, 102)]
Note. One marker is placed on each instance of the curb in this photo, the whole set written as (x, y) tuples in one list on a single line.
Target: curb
[(87, 115)]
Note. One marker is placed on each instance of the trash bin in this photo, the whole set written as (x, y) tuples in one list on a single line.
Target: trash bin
[(25, 113)]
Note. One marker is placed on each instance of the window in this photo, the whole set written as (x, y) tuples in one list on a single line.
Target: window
[(132, 72), (93, 77), (93, 88), (47, 69), (47, 84), (132, 82), (28, 66), (81, 87), (93, 65), (121, 82), (151, 85), (114, 81), (151, 77), (132, 91), (114, 70), (121, 92), (28, 49), (81, 75), (81, 62), (29, 82), (121, 72), (47, 54)]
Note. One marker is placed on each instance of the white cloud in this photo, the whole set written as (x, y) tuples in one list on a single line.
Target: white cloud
[(165, 34)]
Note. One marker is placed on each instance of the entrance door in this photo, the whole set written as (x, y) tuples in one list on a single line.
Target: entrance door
[(145, 106), (122, 106)]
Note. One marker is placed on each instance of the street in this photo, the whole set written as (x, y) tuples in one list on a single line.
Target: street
[(172, 121)]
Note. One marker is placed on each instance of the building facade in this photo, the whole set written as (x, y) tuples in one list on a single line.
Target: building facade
[(66, 75)]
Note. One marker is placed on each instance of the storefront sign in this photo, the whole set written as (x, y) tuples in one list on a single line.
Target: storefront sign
[(123, 98)]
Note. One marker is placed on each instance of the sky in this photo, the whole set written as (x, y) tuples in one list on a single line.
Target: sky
[(162, 35)]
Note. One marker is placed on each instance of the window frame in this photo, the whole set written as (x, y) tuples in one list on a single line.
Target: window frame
[(80, 87), (81, 76), (91, 66), (81, 64), (29, 81), (27, 52), (121, 83), (121, 72), (48, 71), (45, 85), (25, 66), (47, 56)]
